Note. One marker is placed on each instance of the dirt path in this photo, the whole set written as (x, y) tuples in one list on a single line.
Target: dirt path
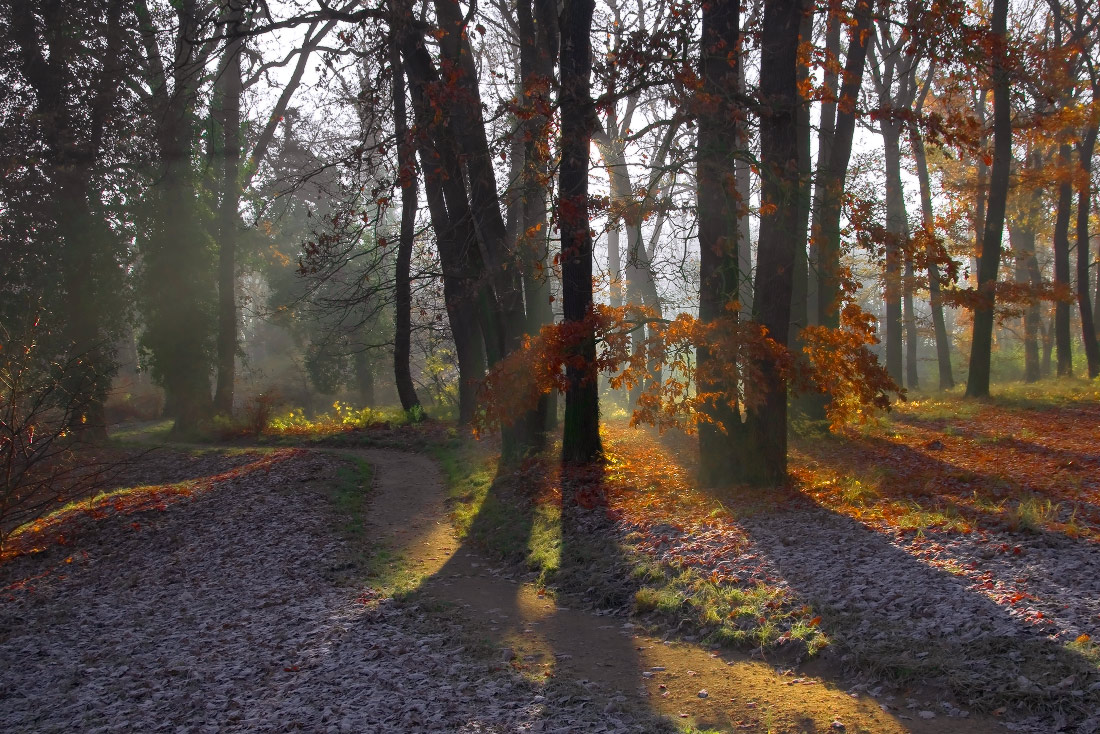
[(540, 639)]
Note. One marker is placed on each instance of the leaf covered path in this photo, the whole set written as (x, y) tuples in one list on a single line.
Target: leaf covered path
[(219, 612)]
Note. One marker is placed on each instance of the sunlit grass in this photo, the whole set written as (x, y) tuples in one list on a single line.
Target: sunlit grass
[(158, 432), (725, 614), (1032, 514), (342, 417), (1020, 459), (1047, 393)]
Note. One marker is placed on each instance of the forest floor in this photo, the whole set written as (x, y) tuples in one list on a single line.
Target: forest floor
[(932, 572)]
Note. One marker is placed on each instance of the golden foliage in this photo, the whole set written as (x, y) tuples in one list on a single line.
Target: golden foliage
[(659, 359)]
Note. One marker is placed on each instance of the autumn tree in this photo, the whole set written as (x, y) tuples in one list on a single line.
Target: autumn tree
[(977, 384), (580, 429)]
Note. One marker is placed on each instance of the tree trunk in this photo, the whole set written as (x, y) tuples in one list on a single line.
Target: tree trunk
[(779, 158), (825, 135), (721, 441), (909, 319), (1062, 335), (1022, 236), (229, 97), (581, 430), (364, 378), (977, 384), (1048, 344), (469, 304), (800, 288), (538, 50), (829, 193), (177, 270), (943, 343), (897, 229), (1088, 328), (402, 299)]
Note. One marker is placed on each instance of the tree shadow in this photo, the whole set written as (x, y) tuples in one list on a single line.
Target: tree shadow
[(907, 621), (545, 637), (915, 608), (522, 520)]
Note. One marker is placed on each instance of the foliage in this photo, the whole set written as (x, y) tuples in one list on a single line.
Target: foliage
[(42, 397), (343, 417), (663, 365)]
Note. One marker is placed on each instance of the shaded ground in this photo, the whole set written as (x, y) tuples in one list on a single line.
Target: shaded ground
[(218, 613), (632, 670), (980, 612)]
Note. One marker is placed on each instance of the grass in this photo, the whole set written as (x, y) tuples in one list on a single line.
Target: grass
[(1032, 514), (757, 616)]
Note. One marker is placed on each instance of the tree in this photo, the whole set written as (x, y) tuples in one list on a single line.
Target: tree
[(177, 255), (581, 427), (722, 445), (778, 241), (64, 139), (407, 178), (977, 384)]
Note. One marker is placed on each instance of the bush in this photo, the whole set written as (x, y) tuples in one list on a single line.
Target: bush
[(41, 400)]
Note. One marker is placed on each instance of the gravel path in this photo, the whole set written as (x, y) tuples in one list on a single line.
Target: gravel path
[(216, 615)]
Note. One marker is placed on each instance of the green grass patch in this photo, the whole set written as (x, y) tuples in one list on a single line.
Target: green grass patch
[(725, 614), (910, 515)]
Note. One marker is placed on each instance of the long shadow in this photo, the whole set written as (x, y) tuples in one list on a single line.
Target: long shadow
[(946, 482), (1058, 574), (543, 636), (931, 623), (910, 621), (1088, 415)]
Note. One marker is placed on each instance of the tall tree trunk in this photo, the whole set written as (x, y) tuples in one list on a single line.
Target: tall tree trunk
[(834, 153), (943, 343), (229, 97), (467, 127), (825, 135), (721, 439), (829, 193), (472, 315), (977, 384), (581, 430), (73, 130), (177, 271), (800, 288), (402, 299), (538, 50), (982, 185), (1048, 343), (1084, 187), (1062, 337), (767, 419), (897, 228), (1022, 236), (1096, 297), (364, 378)]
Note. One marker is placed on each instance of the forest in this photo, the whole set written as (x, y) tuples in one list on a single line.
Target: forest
[(549, 365)]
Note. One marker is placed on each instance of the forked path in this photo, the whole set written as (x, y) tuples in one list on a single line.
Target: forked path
[(540, 639)]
